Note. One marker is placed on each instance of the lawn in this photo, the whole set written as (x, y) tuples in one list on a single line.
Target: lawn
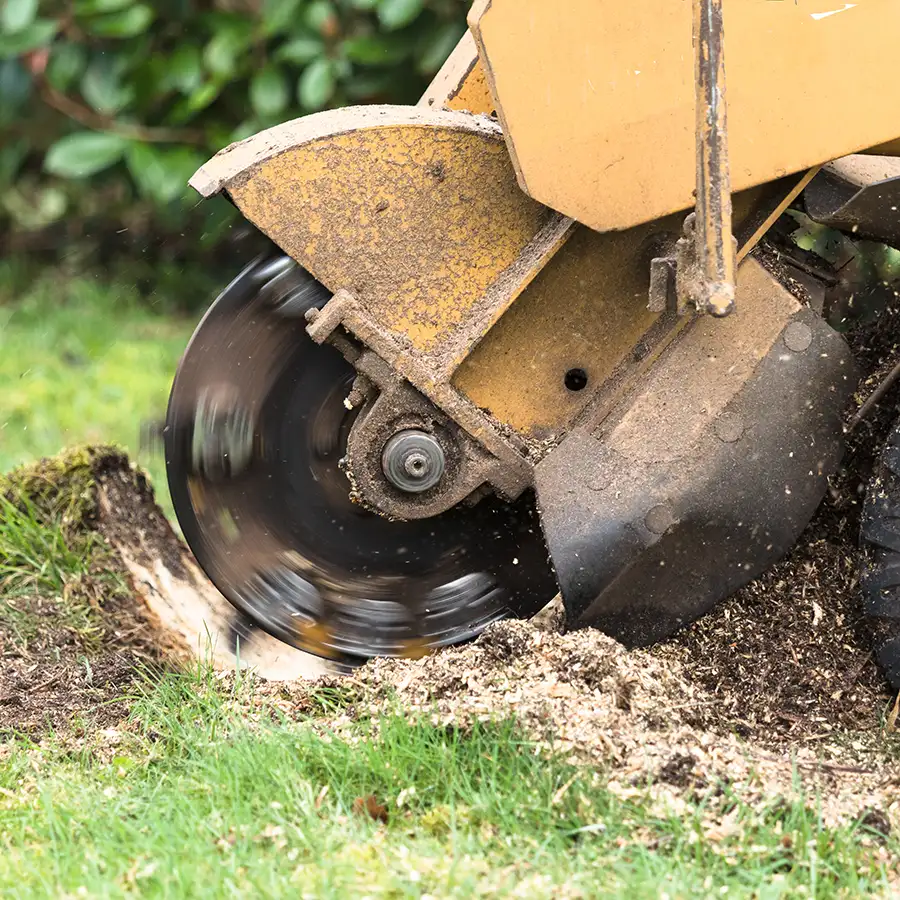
[(82, 359), (208, 791)]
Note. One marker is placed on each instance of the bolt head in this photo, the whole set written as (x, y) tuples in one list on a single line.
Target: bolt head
[(413, 461)]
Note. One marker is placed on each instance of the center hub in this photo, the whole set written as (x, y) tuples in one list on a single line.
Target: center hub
[(413, 461)]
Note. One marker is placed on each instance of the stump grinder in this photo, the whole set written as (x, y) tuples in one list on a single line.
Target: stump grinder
[(530, 336)]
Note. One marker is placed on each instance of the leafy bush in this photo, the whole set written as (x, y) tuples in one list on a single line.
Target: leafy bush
[(108, 106)]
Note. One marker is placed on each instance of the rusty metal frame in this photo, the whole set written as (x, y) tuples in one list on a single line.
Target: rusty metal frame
[(706, 256), (713, 231)]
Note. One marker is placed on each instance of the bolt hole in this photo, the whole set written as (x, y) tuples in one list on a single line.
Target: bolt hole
[(576, 380)]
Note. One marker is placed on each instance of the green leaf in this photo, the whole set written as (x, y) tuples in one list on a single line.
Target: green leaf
[(364, 4), (316, 85), (204, 95), (321, 17), (195, 102), (269, 92), (102, 86), (127, 23), (438, 44), (16, 15), (185, 70), (220, 56), (38, 34), (162, 174), (66, 64), (376, 50), (301, 50), (15, 89), (35, 207), (84, 154), (98, 7), (279, 15), (395, 14)]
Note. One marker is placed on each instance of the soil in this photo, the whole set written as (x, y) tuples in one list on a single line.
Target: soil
[(61, 679)]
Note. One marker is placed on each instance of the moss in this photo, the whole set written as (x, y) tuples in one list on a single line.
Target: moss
[(64, 485)]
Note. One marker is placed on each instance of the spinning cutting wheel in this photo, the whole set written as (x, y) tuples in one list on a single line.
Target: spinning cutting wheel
[(255, 436)]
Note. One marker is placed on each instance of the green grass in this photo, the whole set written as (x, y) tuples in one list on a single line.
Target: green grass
[(82, 360), (41, 557), (202, 798)]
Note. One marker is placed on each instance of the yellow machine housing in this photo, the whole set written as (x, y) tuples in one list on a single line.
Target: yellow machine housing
[(505, 263), (596, 97)]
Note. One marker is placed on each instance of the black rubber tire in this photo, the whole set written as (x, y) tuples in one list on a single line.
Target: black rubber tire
[(880, 569)]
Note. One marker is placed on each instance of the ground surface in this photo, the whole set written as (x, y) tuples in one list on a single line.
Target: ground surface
[(530, 763), (754, 755)]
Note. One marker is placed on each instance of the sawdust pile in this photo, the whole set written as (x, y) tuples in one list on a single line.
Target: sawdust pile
[(629, 715)]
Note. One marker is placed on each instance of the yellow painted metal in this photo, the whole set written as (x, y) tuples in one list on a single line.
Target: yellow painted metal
[(461, 83), (415, 212), (587, 309), (596, 97), (479, 296)]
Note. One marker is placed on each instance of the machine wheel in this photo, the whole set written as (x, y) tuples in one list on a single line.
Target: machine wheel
[(880, 575), (255, 436)]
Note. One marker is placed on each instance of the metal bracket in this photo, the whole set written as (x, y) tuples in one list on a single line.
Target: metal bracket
[(702, 273)]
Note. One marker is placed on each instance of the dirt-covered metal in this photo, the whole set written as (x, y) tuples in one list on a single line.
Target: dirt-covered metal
[(706, 476), (859, 194), (709, 254)]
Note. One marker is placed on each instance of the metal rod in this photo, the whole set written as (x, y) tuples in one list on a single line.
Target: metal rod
[(874, 399), (713, 229)]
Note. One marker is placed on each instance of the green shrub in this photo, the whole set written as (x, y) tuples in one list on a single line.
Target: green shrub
[(108, 106)]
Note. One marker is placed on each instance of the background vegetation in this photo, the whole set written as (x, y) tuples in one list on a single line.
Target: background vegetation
[(106, 109), (108, 106)]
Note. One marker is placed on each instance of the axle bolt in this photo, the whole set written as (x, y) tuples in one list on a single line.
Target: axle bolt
[(413, 461)]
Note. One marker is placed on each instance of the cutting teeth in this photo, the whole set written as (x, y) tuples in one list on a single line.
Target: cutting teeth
[(222, 433)]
